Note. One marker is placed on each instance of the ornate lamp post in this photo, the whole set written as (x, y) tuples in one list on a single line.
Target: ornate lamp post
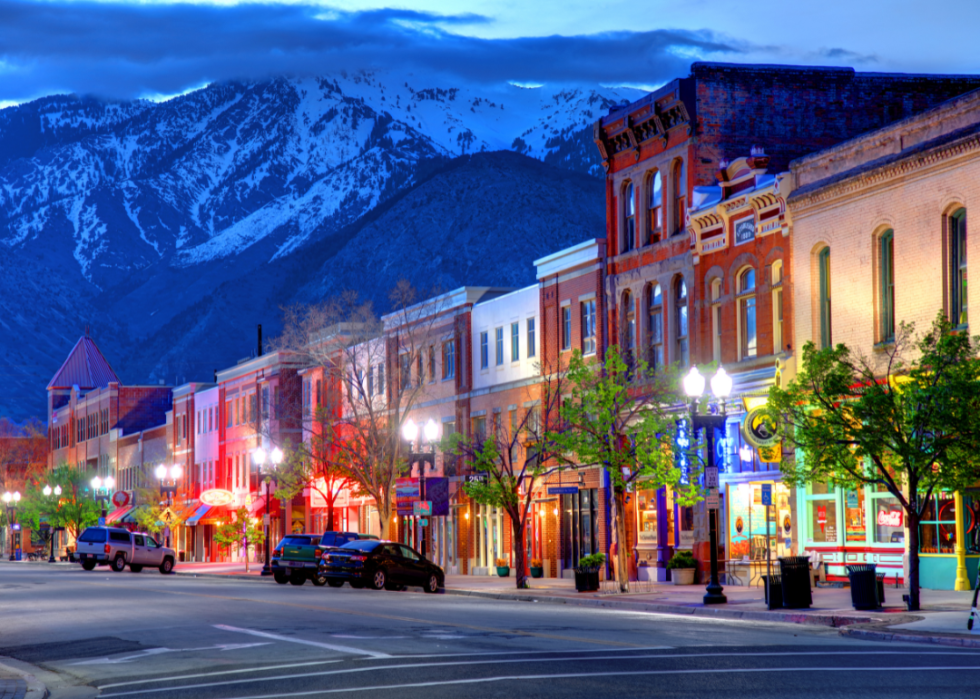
[(102, 488), (168, 478), (259, 458), (48, 490), (721, 387), (426, 454), (11, 500)]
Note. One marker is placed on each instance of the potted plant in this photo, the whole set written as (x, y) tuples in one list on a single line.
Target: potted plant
[(537, 570), (503, 570), (681, 567), (587, 572)]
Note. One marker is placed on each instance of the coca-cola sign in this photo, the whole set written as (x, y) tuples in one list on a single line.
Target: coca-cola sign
[(890, 519)]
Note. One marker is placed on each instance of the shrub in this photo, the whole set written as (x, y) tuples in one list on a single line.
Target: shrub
[(536, 563), (502, 563), (591, 563), (681, 559)]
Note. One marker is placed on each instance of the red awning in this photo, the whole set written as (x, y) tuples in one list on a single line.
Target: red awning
[(117, 515), (258, 507)]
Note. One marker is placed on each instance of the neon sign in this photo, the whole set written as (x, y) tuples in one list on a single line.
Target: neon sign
[(216, 497), (890, 519)]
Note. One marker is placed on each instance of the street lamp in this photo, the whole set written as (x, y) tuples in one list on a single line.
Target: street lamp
[(168, 478), (11, 500), (275, 458), (47, 493), (102, 487), (430, 432), (721, 387)]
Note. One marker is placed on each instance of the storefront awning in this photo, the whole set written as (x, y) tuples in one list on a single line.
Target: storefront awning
[(195, 518), (117, 515), (130, 516), (217, 515)]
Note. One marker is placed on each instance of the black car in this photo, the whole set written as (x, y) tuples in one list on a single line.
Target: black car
[(380, 564)]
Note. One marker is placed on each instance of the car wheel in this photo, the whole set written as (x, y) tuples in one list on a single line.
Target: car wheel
[(119, 563), (296, 580), (432, 584), (88, 565), (280, 577), (379, 579), (335, 583), (319, 580), (135, 568), (167, 566), (357, 584)]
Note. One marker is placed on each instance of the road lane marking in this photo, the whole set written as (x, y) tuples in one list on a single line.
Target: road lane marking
[(157, 651), (288, 666), (586, 675), (291, 639), (390, 617), (618, 658)]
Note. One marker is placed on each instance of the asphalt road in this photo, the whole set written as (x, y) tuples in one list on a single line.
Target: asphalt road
[(146, 635)]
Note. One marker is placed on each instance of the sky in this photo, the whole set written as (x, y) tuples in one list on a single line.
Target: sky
[(122, 49)]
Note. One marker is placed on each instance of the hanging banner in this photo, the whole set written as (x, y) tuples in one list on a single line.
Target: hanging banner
[(406, 494)]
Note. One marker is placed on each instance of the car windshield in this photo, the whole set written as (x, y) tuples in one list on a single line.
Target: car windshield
[(93, 536), (297, 540), (361, 545)]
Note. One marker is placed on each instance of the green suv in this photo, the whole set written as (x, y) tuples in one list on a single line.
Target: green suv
[(297, 557)]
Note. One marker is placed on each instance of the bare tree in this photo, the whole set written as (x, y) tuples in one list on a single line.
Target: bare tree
[(371, 371), (516, 457)]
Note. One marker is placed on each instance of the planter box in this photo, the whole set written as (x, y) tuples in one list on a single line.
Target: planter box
[(586, 582), (682, 576), (537, 572), (503, 571)]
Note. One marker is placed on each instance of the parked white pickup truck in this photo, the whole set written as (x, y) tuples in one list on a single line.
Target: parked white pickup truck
[(115, 547)]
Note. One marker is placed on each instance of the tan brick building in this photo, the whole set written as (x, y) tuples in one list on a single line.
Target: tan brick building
[(880, 237)]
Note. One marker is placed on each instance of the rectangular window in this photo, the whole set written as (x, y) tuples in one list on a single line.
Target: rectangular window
[(498, 335), (479, 429), (381, 379), (889, 517), (886, 287), (746, 308), (228, 413), (265, 402), (432, 363), (307, 396), (515, 342), (419, 372), (821, 503), (199, 420), (370, 381), (588, 327), (566, 327), (253, 406), (823, 268), (449, 359), (531, 339), (484, 349), (405, 360)]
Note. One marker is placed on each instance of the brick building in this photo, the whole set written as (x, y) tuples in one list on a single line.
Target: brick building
[(880, 228), (658, 152)]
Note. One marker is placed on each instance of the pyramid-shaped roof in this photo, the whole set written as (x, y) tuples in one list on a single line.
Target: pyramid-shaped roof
[(85, 368)]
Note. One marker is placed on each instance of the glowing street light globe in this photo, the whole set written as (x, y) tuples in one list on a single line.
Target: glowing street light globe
[(431, 431), (176, 472), (258, 456), (97, 483), (7, 497), (161, 472), (110, 482), (410, 431), (721, 384), (57, 490), (16, 496), (694, 383), (47, 490), (276, 456)]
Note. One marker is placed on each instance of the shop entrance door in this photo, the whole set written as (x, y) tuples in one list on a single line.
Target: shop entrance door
[(579, 526)]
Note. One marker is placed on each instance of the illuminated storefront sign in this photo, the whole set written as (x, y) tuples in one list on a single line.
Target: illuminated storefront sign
[(216, 497)]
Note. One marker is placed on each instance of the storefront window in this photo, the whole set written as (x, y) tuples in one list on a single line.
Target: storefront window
[(937, 530), (854, 524), (889, 517), (747, 521), (821, 505), (646, 514)]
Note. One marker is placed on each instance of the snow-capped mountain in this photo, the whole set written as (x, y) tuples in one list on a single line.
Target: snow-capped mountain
[(143, 209)]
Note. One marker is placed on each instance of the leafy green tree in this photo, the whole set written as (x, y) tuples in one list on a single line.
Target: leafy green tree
[(905, 419), (620, 416), (74, 508), (511, 458), (239, 529)]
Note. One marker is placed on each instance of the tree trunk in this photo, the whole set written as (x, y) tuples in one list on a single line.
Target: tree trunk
[(913, 581), (384, 517), (330, 526), (520, 563), (619, 523)]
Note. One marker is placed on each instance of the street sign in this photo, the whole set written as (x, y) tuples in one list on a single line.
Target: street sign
[(422, 509), (423, 522), (167, 516), (101, 522), (563, 490), (712, 501), (265, 519), (711, 477), (767, 494)]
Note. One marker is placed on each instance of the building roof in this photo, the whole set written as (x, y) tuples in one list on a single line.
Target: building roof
[(85, 368)]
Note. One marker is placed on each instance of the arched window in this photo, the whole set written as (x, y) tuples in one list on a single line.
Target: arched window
[(716, 319), (748, 346), (823, 275), (629, 323), (776, 275), (629, 208), (656, 207), (886, 286), (680, 321), (957, 268), (680, 195), (655, 311)]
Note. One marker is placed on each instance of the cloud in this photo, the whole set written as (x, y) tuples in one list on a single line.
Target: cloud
[(123, 51), (847, 56)]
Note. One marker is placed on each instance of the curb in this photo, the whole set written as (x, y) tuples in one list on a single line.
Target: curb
[(221, 576), (36, 689), (828, 620), (902, 636)]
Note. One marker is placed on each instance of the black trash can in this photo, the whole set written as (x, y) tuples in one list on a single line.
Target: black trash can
[(864, 586), (774, 591), (881, 588), (795, 572)]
